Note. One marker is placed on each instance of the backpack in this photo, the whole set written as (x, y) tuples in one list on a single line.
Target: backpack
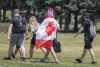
[(92, 29), (21, 25)]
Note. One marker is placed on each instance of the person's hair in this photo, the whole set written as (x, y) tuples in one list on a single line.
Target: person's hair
[(33, 21), (16, 11)]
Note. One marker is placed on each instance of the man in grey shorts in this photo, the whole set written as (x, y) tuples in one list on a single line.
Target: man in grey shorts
[(16, 31), (17, 39)]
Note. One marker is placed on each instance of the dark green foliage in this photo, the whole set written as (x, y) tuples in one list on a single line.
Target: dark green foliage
[(87, 4), (62, 8), (58, 10), (72, 6), (29, 2)]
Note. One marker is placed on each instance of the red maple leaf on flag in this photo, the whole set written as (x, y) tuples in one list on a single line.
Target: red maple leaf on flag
[(50, 28)]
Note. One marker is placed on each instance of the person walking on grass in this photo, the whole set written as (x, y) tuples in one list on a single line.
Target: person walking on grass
[(16, 30), (16, 49), (46, 34), (34, 27), (87, 39)]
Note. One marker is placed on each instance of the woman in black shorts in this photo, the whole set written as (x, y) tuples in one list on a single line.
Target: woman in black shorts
[(34, 27)]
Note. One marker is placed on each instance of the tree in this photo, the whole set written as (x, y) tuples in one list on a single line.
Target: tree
[(72, 8), (62, 8)]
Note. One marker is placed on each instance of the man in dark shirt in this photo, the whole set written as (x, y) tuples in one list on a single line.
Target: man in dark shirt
[(16, 31), (87, 39)]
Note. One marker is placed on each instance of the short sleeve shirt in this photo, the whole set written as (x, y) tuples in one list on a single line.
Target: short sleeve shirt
[(15, 21), (86, 25)]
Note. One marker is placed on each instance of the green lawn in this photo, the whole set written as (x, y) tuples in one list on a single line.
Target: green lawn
[(71, 49)]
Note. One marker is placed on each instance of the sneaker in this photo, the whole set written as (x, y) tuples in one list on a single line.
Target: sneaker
[(42, 60), (7, 58), (56, 62), (93, 62), (78, 60), (13, 56), (24, 59)]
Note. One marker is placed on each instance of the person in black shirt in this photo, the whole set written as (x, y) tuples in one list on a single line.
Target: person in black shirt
[(87, 39), (16, 31)]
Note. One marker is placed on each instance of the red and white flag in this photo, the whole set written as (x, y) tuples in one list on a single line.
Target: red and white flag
[(46, 33)]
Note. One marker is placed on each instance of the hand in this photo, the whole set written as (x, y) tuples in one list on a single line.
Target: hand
[(75, 36), (8, 37), (59, 29), (6, 31), (26, 38)]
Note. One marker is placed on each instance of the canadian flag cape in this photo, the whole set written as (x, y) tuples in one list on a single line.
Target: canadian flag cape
[(46, 33)]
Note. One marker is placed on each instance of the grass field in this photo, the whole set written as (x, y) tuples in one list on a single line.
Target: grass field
[(71, 49)]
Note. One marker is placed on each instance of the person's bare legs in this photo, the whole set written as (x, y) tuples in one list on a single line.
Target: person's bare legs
[(31, 50), (43, 49), (10, 51), (16, 50), (79, 60), (46, 55), (84, 53), (23, 52), (53, 54), (92, 54), (20, 52)]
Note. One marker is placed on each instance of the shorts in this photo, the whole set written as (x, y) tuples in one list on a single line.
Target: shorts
[(33, 39), (88, 40), (17, 39)]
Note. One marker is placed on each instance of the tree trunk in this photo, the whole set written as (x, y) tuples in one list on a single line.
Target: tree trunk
[(67, 22), (28, 12), (0, 15), (19, 3), (4, 14), (60, 22), (76, 22), (12, 8)]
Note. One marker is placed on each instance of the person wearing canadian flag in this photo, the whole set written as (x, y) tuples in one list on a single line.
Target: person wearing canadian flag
[(46, 34)]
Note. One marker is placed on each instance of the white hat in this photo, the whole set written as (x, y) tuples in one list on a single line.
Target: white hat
[(50, 12)]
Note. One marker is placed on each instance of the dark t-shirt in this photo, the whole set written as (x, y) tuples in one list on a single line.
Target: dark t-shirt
[(86, 25), (15, 23)]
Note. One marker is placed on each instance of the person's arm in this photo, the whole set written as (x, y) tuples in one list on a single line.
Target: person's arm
[(80, 30), (26, 33), (57, 26), (29, 35), (6, 30), (9, 30)]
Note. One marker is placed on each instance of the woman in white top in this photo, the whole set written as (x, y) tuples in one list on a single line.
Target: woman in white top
[(34, 27)]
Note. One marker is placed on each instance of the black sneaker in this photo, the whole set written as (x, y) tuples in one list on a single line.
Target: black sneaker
[(78, 60), (24, 59), (42, 60), (7, 58), (93, 62), (13, 56)]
